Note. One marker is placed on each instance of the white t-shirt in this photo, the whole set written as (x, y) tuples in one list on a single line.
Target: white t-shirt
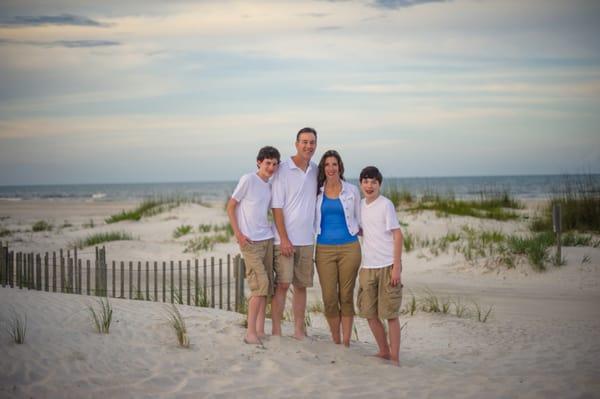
[(378, 219), (254, 197), (295, 192)]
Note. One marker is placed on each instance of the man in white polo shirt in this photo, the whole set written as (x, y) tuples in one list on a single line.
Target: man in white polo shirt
[(293, 201)]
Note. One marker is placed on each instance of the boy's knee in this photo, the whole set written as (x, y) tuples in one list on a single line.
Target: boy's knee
[(282, 286)]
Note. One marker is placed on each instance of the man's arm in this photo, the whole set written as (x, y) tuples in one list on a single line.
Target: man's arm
[(397, 267), (241, 238), (287, 249)]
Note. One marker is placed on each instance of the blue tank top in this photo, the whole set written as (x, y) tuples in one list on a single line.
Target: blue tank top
[(334, 230)]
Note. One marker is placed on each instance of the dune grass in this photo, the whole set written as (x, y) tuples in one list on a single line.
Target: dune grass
[(177, 323), (579, 199), (206, 243), (41, 225), (150, 207), (182, 230), (490, 205), (102, 318), (397, 195), (5, 232), (98, 238), (201, 297), (16, 327), (429, 302)]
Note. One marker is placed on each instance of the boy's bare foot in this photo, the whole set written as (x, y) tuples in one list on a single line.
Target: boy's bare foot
[(252, 340), (385, 356), (299, 336), (262, 336), (395, 362)]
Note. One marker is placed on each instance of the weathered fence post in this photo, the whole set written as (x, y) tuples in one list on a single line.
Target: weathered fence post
[(196, 299), (164, 282), (205, 281), (240, 273), (11, 269), (53, 271), (188, 281), (62, 272), (147, 280), (228, 282), (38, 272), (122, 280), (155, 281), (130, 279), (220, 283), (212, 280), (180, 289), (557, 226), (139, 294), (19, 272), (46, 262), (114, 279), (172, 282), (87, 276), (79, 289)]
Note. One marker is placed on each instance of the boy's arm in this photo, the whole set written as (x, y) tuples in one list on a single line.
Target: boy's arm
[(397, 267), (241, 238), (286, 247)]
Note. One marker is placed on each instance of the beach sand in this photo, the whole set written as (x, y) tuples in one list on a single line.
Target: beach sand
[(541, 340)]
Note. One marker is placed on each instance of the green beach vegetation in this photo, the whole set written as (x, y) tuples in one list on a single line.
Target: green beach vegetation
[(177, 323), (429, 302), (16, 327), (182, 230), (152, 207), (101, 318), (497, 247), (579, 199), (41, 225), (98, 238), (489, 205)]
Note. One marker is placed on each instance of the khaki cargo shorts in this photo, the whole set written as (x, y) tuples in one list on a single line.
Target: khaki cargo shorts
[(297, 269), (258, 256), (376, 297)]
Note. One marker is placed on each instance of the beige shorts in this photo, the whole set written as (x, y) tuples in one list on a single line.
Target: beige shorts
[(376, 297), (296, 269), (337, 266), (258, 256)]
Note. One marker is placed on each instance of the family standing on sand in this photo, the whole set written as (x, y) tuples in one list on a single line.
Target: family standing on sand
[(308, 201)]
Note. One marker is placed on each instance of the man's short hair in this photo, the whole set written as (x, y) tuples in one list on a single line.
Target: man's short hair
[(306, 130), (268, 152), (371, 172)]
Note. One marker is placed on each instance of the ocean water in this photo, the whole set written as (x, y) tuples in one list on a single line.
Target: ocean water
[(534, 186)]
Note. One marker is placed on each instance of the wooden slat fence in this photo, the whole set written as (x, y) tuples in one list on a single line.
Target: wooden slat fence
[(207, 283)]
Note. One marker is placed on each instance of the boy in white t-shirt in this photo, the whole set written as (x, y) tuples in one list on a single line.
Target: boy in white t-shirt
[(247, 210), (380, 282)]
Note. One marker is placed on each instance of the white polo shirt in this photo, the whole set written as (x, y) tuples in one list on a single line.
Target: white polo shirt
[(254, 197), (378, 219), (295, 192)]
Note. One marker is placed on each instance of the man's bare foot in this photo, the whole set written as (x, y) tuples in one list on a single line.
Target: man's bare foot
[(262, 336), (395, 362), (347, 344)]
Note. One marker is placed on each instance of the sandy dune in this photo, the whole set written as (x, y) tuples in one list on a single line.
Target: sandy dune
[(541, 341)]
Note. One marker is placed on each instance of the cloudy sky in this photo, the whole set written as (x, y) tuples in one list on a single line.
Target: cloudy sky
[(146, 91)]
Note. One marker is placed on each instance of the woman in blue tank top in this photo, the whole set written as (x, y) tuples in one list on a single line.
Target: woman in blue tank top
[(338, 250)]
